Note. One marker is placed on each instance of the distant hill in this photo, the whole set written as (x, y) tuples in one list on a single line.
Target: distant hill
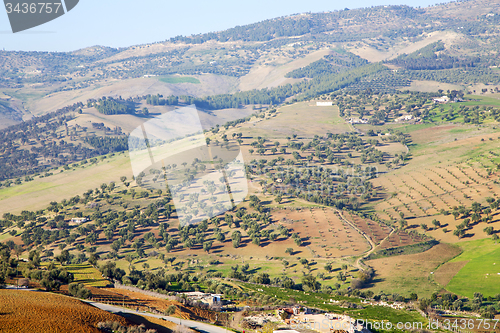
[(260, 55)]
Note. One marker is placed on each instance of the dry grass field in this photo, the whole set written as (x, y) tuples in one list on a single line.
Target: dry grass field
[(38, 193), (447, 271), (270, 75), (410, 273), (304, 119), (369, 51), (210, 85), (421, 195), (129, 122), (431, 86)]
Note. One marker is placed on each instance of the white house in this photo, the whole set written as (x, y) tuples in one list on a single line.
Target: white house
[(443, 99), (407, 117), (358, 121), (324, 103), (79, 220)]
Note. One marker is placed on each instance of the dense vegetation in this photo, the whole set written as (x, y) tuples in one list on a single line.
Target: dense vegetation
[(44, 142), (110, 106), (335, 62), (303, 90), (428, 58)]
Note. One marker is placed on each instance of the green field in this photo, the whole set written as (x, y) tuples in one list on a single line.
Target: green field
[(5, 236), (481, 101), (179, 79), (87, 275), (483, 268)]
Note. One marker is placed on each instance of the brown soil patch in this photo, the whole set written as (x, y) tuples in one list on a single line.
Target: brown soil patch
[(323, 232), (377, 232), (160, 325), (401, 238)]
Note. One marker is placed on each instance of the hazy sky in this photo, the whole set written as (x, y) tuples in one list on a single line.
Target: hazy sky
[(120, 23)]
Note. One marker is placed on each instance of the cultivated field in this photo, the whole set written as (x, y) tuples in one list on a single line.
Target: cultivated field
[(32, 311), (425, 192), (86, 274), (376, 231), (327, 236)]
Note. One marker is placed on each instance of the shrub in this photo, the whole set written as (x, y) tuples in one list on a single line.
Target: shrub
[(79, 290), (170, 310), (114, 326)]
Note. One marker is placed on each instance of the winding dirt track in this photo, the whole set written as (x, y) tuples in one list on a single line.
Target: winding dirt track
[(372, 244)]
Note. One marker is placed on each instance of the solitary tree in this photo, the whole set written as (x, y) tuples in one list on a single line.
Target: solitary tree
[(207, 246)]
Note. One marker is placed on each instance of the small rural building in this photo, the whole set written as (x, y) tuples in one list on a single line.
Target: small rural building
[(408, 117), (443, 99), (79, 220), (210, 299), (358, 121), (324, 103)]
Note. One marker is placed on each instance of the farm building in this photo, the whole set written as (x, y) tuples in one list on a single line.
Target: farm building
[(79, 220), (407, 117), (443, 99), (358, 121), (210, 299), (324, 103)]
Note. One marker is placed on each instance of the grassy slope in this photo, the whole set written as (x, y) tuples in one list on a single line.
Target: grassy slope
[(38, 193), (437, 147), (483, 267), (179, 79), (410, 273)]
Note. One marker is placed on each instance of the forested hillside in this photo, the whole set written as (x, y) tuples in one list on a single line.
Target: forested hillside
[(33, 146)]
